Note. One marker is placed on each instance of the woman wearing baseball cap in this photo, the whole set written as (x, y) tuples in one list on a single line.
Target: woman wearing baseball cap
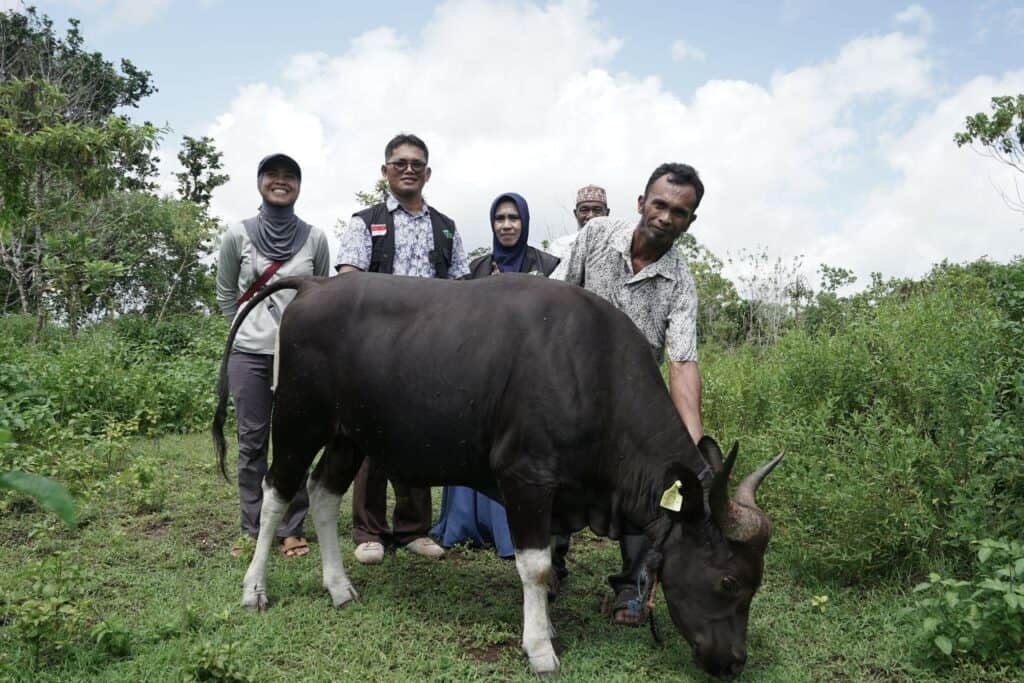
[(274, 243)]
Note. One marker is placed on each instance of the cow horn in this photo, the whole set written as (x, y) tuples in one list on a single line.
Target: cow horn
[(747, 489), (739, 518)]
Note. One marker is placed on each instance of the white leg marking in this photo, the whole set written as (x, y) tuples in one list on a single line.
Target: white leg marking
[(534, 567), (324, 507), (254, 586)]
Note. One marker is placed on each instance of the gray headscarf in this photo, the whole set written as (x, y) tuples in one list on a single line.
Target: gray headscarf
[(276, 232)]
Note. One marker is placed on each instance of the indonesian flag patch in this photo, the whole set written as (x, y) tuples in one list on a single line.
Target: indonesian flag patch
[(378, 230)]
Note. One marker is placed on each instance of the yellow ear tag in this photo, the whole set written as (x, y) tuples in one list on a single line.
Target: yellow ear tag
[(672, 499)]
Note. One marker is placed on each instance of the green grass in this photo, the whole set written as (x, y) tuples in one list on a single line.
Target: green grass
[(167, 578)]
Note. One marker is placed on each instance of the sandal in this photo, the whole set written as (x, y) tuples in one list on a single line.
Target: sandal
[(627, 609), (294, 546)]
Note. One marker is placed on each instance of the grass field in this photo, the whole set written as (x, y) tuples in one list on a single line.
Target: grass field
[(165, 577)]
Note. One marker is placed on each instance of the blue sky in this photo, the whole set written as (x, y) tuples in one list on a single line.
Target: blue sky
[(821, 129)]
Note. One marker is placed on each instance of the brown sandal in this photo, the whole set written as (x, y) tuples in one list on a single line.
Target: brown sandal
[(294, 546)]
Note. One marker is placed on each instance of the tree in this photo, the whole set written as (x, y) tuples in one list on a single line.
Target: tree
[(93, 88), (366, 199), (375, 196), (1001, 137), (719, 303), (51, 172), (774, 294), (201, 161), (80, 233)]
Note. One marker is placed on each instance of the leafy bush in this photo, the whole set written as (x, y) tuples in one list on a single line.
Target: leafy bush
[(980, 619), (73, 402), (903, 421), (53, 612)]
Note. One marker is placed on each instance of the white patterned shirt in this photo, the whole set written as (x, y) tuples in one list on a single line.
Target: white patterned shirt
[(661, 299), (414, 240)]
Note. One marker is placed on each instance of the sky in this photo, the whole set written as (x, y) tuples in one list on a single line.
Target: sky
[(822, 131)]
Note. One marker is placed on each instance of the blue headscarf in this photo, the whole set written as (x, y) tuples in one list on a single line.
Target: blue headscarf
[(510, 259)]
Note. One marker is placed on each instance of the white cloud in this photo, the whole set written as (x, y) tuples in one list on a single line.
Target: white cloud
[(681, 51), (946, 201), (782, 161), (916, 15)]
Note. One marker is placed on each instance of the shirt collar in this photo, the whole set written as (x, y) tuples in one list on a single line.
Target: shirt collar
[(391, 204), (666, 266)]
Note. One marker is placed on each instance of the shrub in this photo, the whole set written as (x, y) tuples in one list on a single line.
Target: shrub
[(980, 619), (904, 423), (72, 402), (53, 613)]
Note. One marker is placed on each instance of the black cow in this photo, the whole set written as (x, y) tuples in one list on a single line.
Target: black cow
[(536, 391)]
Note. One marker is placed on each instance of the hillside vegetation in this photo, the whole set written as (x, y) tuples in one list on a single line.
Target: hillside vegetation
[(901, 410)]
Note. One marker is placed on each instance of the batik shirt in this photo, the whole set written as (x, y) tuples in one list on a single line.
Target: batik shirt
[(661, 299), (414, 240)]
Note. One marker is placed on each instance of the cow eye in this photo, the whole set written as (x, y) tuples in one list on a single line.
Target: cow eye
[(730, 584)]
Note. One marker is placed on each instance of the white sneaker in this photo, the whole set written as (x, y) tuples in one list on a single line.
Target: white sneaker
[(370, 552), (426, 547)]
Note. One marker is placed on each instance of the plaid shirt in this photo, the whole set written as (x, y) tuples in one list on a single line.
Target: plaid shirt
[(414, 240)]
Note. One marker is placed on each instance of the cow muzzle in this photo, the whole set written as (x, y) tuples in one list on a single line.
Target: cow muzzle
[(720, 663)]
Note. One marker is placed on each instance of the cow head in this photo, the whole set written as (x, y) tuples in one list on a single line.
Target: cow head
[(712, 557)]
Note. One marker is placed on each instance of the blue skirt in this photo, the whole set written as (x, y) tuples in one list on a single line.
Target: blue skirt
[(468, 516)]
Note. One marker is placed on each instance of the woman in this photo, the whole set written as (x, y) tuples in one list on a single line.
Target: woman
[(274, 243), (467, 515)]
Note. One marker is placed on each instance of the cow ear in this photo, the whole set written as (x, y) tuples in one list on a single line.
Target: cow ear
[(708, 448), (682, 495)]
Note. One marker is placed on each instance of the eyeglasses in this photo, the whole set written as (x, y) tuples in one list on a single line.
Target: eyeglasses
[(399, 165)]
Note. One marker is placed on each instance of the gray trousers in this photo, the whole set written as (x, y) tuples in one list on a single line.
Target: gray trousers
[(249, 377)]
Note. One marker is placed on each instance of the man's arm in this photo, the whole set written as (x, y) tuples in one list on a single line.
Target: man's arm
[(684, 385), (572, 269), (355, 247), (460, 264)]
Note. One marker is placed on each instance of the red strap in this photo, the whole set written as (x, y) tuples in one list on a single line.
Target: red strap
[(260, 281)]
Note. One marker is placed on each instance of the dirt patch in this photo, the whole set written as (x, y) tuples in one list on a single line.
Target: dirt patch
[(488, 654), (156, 528), (205, 542)]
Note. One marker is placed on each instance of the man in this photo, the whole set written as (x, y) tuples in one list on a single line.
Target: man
[(591, 202), (403, 236), (637, 270)]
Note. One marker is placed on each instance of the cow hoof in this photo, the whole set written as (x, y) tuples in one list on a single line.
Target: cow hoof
[(344, 596), (544, 665), (256, 600)]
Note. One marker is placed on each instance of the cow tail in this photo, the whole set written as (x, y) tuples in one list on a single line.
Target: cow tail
[(221, 415)]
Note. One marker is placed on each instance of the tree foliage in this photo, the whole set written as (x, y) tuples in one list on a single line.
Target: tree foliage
[(375, 196), (1001, 137), (201, 160), (93, 88), (81, 235), (53, 171)]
